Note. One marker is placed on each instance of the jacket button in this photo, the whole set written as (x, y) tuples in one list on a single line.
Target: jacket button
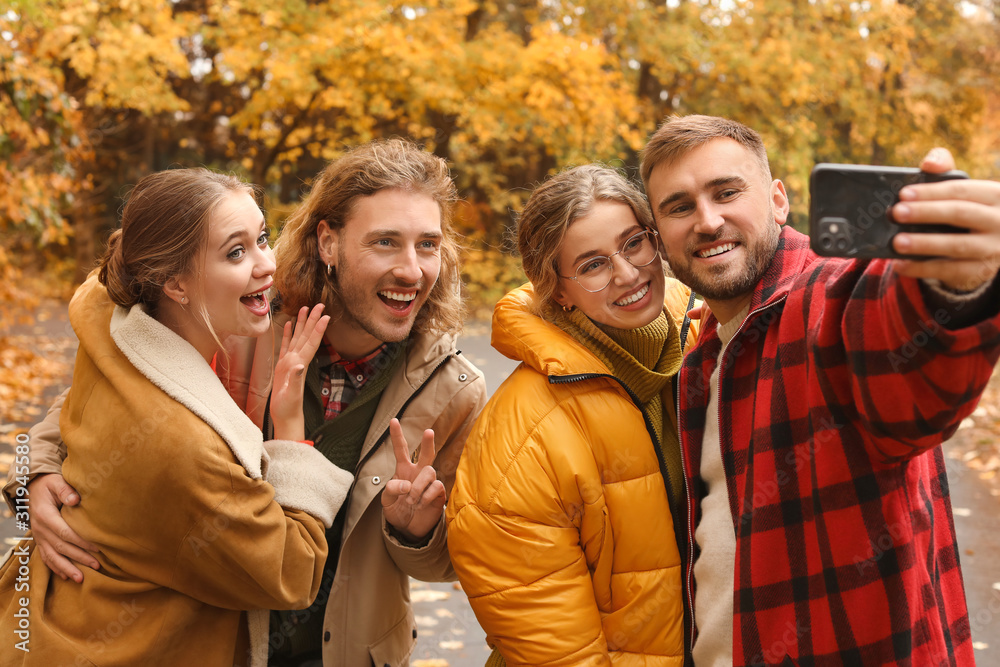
[(414, 633), (376, 479), (463, 377), (326, 636)]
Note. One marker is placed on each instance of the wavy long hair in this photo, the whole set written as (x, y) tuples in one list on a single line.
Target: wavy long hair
[(387, 164)]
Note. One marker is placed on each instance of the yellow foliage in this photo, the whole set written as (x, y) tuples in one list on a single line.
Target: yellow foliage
[(95, 94), (488, 274)]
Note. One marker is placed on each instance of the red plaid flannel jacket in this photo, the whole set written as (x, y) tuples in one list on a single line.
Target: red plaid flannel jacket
[(834, 396)]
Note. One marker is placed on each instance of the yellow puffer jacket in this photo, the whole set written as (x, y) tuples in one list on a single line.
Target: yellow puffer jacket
[(559, 524)]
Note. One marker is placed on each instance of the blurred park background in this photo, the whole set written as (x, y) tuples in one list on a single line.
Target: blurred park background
[(94, 94)]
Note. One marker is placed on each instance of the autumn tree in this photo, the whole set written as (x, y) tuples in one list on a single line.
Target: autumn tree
[(508, 92)]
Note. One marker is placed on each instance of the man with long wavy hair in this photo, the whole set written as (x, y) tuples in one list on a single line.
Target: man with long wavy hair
[(373, 241), (387, 396)]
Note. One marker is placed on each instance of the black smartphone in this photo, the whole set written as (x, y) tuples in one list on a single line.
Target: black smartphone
[(849, 209)]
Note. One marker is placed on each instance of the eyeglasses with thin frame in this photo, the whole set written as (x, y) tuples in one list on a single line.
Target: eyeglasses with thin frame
[(595, 273)]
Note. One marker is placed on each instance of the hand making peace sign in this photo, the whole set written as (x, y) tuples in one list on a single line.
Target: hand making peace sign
[(413, 499)]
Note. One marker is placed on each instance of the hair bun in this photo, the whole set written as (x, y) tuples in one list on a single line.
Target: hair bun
[(123, 289)]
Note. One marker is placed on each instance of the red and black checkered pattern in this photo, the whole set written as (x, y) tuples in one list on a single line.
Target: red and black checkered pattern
[(343, 379), (834, 397)]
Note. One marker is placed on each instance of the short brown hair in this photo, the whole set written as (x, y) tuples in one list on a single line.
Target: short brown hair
[(164, 227), (680, 134), (554, 206), (301, 276)]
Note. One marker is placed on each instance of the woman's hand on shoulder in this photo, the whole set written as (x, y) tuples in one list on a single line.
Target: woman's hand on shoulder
[(298, 347)]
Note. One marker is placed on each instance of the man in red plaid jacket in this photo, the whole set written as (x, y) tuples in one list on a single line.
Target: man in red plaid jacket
[(819, 525)]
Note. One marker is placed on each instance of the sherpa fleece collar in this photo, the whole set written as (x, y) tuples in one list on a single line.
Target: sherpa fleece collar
[(173, 365)]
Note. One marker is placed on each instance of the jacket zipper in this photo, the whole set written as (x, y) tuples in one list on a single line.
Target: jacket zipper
[(689, 520), (657, 446), (729, 476)]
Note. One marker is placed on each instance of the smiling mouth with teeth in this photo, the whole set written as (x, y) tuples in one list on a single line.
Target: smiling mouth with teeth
[(256, 302), (397, 300), (635, 297), (717, 250)]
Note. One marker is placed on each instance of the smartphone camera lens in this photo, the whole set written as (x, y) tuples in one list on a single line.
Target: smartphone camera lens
[(826, 242), (842, 245)]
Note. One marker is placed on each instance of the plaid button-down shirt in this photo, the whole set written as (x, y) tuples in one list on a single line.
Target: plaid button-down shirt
[(834, 398), (343, 379)]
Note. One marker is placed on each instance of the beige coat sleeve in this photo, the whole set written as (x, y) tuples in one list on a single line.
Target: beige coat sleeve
[(46, 451)]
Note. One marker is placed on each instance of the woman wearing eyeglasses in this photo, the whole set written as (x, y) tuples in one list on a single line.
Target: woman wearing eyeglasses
[(561, 522)]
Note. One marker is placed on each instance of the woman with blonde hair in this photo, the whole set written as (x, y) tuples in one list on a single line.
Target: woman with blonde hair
[(200, 525), (562, 521)]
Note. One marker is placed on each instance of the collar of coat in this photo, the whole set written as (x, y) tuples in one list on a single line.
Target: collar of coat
[(173, 365), (520, 334), (424, 351), (790, 258)]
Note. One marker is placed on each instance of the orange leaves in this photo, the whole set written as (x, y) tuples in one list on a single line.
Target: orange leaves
[(36, 351), (126, 50), (827, 81), (23, 374), (102, 92)]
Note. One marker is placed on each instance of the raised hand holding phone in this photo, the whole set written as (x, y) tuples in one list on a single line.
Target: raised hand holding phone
[(851, 208), (964, 262)]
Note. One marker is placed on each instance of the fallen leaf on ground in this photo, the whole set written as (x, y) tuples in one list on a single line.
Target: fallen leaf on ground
[(428, 596)]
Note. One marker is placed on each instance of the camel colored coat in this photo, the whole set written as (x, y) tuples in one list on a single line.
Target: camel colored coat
[(201, 525)]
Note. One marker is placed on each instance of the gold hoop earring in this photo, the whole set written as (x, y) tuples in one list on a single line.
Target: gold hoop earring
[(329, 270), (568, 309)]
